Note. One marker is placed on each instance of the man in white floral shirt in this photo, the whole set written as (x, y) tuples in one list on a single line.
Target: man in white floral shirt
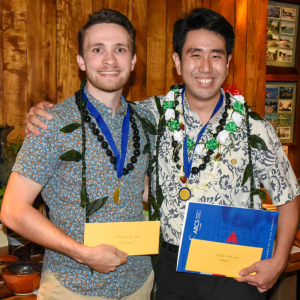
[(203, 154)]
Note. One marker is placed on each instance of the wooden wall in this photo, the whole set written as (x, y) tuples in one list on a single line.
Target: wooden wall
[(38, 47)]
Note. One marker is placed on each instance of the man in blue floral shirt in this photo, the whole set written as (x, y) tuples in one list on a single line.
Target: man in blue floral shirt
[(203, 153), (77, 165)]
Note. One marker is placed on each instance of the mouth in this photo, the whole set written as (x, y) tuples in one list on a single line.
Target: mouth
[(205, 81), (109, 73)]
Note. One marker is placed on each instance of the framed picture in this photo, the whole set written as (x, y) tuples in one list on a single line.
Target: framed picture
[(280, 105), (283, 24)]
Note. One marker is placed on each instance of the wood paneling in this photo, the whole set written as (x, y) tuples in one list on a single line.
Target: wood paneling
[(256, 55), (156, 47), (98, 4), (239, 52), (15, 66), (139, 76), (71, 16), (1, 65), (41, 72)]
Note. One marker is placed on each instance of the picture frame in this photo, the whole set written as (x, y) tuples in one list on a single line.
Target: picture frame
[(280, 107), (282, 31)]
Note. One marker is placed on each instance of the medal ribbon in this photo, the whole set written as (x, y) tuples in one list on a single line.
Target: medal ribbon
[(105, 130), (187, 165)]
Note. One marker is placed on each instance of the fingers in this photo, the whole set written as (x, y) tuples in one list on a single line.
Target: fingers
[(44, 104), (39, 111)]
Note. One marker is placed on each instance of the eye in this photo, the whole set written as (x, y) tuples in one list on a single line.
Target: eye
[(97, 50), (120, 50)]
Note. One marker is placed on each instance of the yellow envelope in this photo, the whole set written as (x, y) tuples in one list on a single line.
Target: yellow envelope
[(220, 258), (134, 238)]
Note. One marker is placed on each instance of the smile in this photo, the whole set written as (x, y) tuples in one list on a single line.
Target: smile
[(109, 72), (205, 80)]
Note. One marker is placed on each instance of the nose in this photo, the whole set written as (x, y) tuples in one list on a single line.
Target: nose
[(205, 65), (109, 59)]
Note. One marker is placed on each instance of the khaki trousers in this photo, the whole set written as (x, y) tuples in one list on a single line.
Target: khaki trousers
[(51, 289)]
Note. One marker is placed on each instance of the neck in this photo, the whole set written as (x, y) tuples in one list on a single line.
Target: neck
[(111, 100), (204, 109)]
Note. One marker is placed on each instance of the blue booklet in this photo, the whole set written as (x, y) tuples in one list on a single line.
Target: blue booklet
[(220, 240)]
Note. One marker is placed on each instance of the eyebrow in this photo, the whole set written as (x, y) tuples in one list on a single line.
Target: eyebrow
[(193, 50), (102, 44)]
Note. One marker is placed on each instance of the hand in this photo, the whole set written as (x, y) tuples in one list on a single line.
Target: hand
[(104, 258), (267, 273), (31, 118)]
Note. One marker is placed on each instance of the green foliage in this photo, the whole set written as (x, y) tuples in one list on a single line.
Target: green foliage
[(95, 206), (70, 128), (247, 174), (260, 193), (257, 142), (71, 155)]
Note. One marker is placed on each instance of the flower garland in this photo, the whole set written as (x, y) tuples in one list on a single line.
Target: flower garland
[(232, 119)]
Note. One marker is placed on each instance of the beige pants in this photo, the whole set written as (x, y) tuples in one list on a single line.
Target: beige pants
[(51, 289)]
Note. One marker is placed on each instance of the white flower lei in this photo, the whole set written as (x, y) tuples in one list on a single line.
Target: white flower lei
[(236, 115)]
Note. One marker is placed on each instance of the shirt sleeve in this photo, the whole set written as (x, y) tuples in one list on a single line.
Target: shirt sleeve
[(272, 167), (38, 157)]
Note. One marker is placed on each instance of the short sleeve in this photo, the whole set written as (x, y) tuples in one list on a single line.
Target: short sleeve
[(272, 167)]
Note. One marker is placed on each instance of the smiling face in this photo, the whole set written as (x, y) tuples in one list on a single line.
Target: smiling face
[(203, 66), (107, 58)]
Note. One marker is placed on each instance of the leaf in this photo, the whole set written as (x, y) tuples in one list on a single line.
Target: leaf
[(159, 195), (254, 115), (247, 174), (83, 196), (71, 155), (260, 193), (257, 142), (148, 126), (83, 82), (158, 105), (95, 205), (70, 128), (153, 202), (147, 148), (154, 216)]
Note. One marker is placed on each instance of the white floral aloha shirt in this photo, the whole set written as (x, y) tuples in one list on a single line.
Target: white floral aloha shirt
[(39, 161), (220, 182)]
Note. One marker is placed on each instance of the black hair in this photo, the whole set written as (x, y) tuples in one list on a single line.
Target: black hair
[(107, 16), (202, 18)]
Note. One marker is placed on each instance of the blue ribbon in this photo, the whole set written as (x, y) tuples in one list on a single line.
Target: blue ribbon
[(105, 130), (187, 165)]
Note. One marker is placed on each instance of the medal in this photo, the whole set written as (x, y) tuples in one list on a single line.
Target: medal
[(185, 194), (116, 195)]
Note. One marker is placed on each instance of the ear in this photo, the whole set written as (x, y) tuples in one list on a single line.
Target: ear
[(228, 60), (81, 62), (133, 62), (176, 60)]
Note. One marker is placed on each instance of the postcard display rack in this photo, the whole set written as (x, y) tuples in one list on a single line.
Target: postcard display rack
[(283, 24), (280, 107)]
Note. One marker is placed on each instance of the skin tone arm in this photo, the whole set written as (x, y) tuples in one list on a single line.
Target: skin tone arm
[(268, 271), (33, 225)]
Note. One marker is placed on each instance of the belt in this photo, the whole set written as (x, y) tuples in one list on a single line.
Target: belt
[(170, 247)]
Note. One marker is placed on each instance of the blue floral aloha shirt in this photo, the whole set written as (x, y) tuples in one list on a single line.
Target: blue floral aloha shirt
[(220, 183), (39, 161)]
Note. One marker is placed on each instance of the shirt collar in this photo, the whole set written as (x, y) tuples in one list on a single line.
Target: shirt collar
[(102, 108), (195, 115)]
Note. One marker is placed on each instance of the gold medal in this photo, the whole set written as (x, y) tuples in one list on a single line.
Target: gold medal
[(116, 195), (185, 194)]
